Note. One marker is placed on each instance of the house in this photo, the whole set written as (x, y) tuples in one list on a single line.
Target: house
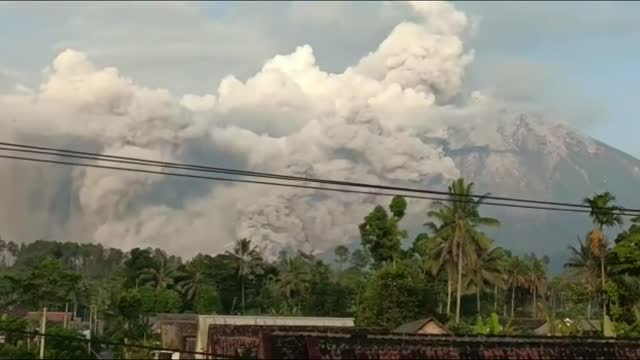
[(177, 331), (428, 326), (536, 327), (232, 335), (52, 316), (299, 345)]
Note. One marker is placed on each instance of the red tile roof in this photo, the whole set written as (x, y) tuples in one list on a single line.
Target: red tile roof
[(53, 316)]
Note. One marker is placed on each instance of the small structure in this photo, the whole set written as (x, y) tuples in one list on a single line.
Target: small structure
[(299, 345), (58, 318), (232, 335), (177, 331), (428, 326), (52, 316), (590, 327), (537, 327)]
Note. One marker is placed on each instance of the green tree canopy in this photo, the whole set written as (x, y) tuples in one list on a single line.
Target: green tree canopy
[(456, 223), (396, 294), (381, 234)]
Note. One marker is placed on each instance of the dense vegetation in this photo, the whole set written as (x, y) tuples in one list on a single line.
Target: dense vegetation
[(452, 271)]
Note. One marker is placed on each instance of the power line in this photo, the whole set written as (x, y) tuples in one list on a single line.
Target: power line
[(292, 185), (202, 168), (109, 343)]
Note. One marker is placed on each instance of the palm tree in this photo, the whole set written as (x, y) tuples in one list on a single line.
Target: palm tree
[(3, 247), (604, 213), (13, 249), (457, 225), (438, 255), (247, 257), (516, 277), (485, 271), (293, 280), (583, 266), (342, 256), (536, 280), (503, 258), (191, 282), (161, 276)]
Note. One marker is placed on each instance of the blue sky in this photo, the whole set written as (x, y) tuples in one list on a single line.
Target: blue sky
[(578, 58), (590, 47)]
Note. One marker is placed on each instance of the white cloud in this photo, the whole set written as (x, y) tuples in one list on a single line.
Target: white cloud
[(361, 124), (285, 113)]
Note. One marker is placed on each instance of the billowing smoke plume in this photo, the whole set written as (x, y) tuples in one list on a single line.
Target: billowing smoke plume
[(369, 123)]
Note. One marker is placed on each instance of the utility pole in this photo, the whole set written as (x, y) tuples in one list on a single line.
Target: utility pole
[(43, 328), (90, 328), (95, 320), (66, 315)]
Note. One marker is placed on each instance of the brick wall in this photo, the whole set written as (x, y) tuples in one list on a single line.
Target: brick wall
[(342, 346), (244, 340)]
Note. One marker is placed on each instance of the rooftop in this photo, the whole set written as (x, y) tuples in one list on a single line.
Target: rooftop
[(276, 320), (415, 326)]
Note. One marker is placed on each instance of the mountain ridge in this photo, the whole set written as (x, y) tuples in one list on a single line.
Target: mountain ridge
[(531, 158)]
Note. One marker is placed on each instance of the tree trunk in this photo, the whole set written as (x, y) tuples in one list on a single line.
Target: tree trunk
[(513, 300), (478, 300), (535, 303), (449, 293), (589, 309), (495, 298), (242, 289), (603, 297), (459, 290)]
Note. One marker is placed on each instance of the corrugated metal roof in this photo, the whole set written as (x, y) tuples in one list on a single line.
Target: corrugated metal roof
[(276, 320)]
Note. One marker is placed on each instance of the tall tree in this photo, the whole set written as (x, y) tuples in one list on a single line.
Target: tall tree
[(342, 256), (516, 277), (583, 267), (397, 293), (604, 213), (536, 280), (360, 259), (458, 221), (50, 283), (484, 271), (13, 249), (192, 279), (625, 255), (3, 247), (138, 260), (380, 232), (246, 258), (161, 276), (294, 280)]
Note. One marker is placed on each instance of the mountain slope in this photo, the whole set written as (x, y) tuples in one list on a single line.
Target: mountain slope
[(524, 156)]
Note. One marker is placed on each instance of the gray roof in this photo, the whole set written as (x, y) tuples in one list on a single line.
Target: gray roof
[(276, 320), (414, 326), (591, 325)]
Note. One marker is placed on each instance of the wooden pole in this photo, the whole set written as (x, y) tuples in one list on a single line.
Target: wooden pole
[(43, 328), (66, 315), (95, 320), (90, 328)]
